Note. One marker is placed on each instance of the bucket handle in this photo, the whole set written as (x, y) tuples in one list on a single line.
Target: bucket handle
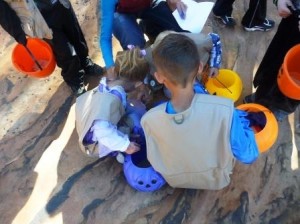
[(33, 57), (280, 72), (223, 84)]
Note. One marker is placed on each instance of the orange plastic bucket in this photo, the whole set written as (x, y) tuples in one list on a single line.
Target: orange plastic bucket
[(266, 136), (226, 84), (42, 52), (288, 78)]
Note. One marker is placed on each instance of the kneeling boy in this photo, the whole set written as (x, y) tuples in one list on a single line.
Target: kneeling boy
[(193, 139)]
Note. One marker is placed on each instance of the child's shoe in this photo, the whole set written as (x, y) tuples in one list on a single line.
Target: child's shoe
[(78, 90), (120, 157), (92, 69), (227, 20), (265, 26)]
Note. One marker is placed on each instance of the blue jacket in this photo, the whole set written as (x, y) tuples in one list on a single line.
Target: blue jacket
[(107, 16)]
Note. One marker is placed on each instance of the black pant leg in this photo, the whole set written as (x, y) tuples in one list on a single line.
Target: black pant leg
[(267, 92), (74, 33), (63, 45), (223, 7), (256, 13), (66, 59), (158, 19)]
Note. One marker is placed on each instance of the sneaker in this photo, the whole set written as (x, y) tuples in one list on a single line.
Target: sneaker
[(227, 20), (120, 157), (92, 69), (249, 99), (78, 90), (265, 26)]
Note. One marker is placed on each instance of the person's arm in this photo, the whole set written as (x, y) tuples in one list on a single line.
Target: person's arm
[(283, 8), (243, 143), (11, 23), (107, 135), (107, 17), (215, 54), (179, 5)]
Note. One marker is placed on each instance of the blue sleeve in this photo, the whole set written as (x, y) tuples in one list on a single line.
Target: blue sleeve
[(106, 30), (243, 144), (216, 51), (199, 88)]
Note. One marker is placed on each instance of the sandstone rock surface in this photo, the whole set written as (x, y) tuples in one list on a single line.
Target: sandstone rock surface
[(44, 178)]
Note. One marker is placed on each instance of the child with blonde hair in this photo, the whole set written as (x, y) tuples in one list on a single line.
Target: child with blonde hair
[(100, 110), (109, 124)]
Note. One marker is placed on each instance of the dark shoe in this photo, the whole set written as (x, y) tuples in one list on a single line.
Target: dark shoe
[(92, 69), (265, 26), (227, 20), (249, 99), (78, 90)]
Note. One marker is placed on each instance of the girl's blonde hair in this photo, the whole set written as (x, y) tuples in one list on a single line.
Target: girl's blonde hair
[(131, 65)]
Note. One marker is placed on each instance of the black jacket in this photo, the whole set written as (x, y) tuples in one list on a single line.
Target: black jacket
[(43, 5), (11, 23)]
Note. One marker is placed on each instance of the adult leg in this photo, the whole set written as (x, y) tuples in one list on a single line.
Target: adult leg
[(127, 30), (255, 17), (223, 7), (67, 60), (223, 10), (158, 19), (267, 92), (73, 32), (66, 56), (76, 38), (255, 14)]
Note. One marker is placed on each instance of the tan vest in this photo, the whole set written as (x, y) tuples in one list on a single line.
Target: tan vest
[(192, 149), (91, 106), (33, 23)]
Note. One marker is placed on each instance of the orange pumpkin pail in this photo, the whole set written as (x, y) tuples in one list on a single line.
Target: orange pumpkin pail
[(42, 53), (266, 136), (288, 78)]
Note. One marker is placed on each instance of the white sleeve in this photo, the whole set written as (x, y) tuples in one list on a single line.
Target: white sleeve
[(108, 135)]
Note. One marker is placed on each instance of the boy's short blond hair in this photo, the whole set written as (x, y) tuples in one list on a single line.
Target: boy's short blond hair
[(177, 57), (131, 65)]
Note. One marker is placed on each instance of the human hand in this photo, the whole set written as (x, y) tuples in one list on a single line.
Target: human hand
[(213, 72), (22, 40), (283, 7), (110, 74), (132, 148), (179, 5)]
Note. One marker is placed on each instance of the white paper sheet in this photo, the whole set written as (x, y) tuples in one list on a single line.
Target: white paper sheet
[(196, 15)]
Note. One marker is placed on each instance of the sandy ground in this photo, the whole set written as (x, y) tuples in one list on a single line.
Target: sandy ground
[(44, 178)]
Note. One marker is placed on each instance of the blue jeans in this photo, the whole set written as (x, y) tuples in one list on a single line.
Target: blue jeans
[(155, 20), (127, 30)]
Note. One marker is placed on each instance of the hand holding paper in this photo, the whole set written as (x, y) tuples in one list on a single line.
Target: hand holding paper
[(195, 16), (181, 7)]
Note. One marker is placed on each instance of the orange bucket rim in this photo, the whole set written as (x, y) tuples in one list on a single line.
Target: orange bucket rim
[(49, 65), (271, 127), (286, 83)]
